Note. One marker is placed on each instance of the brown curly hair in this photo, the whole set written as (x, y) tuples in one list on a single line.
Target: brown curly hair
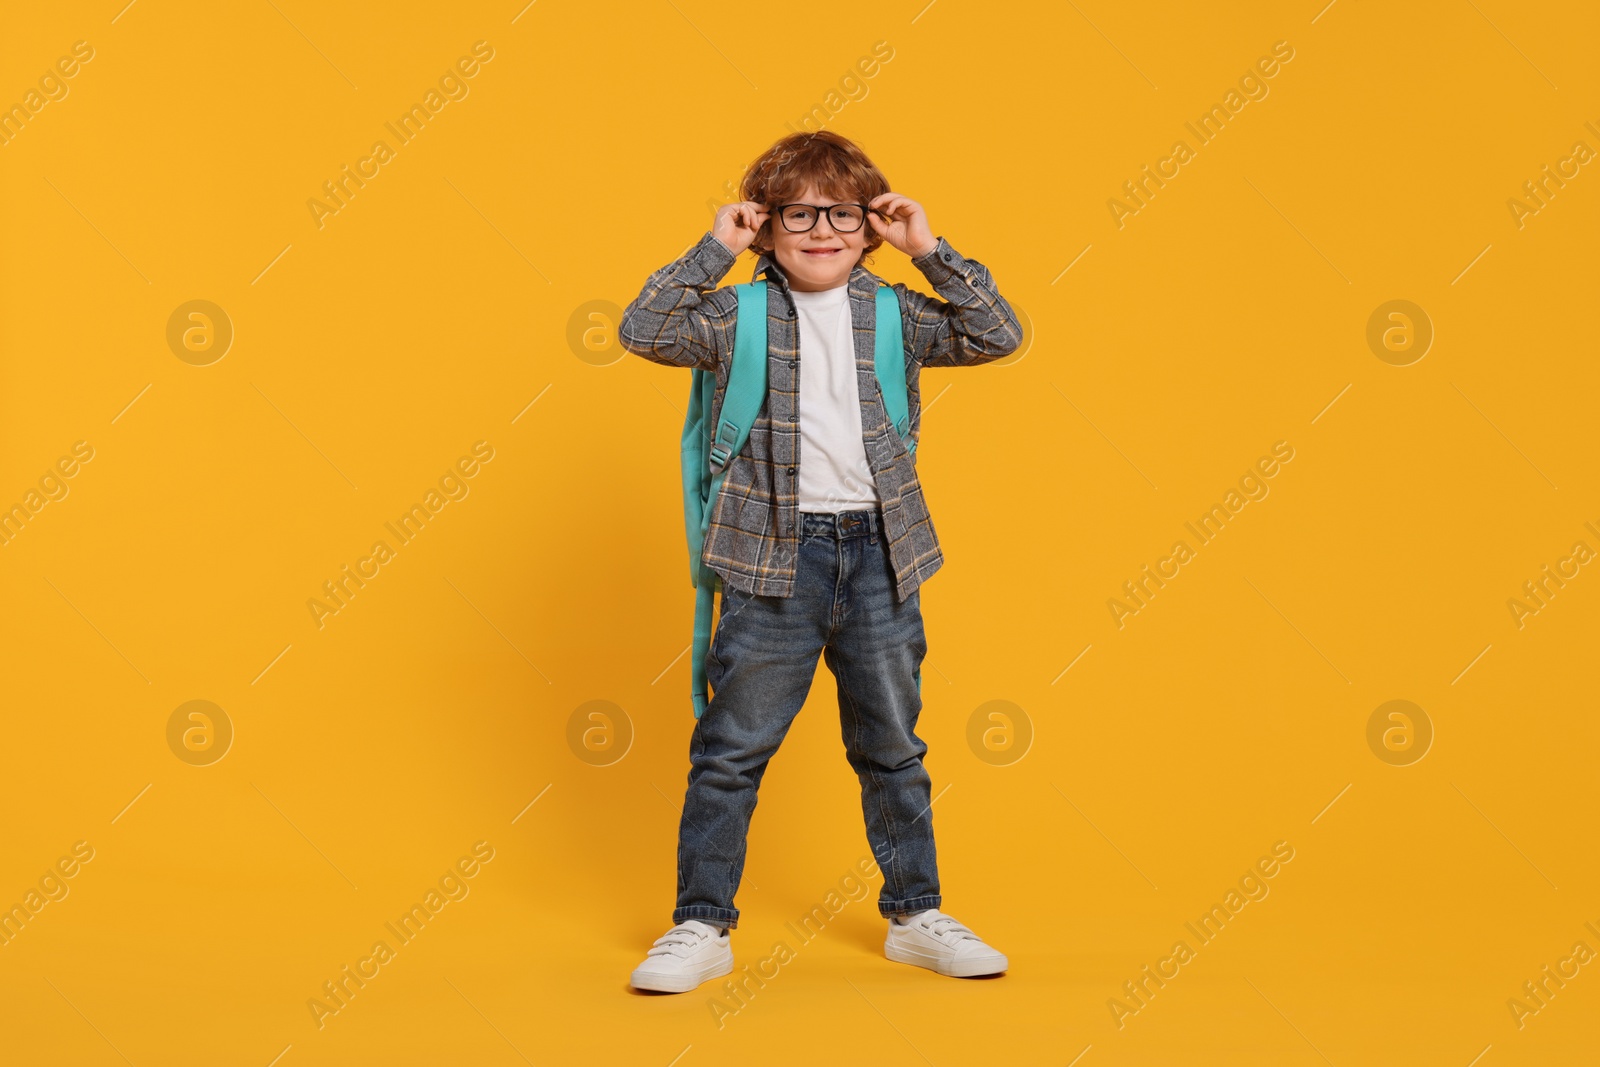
[(834, 163)]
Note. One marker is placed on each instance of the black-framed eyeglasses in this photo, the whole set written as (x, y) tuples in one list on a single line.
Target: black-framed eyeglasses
[(844, 218)]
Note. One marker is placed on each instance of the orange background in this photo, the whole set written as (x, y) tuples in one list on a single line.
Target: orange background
[(468, 293)]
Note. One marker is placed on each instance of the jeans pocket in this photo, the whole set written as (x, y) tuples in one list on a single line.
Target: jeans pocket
[(728, 603)]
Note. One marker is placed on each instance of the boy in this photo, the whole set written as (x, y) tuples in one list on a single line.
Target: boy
[(820, 535)]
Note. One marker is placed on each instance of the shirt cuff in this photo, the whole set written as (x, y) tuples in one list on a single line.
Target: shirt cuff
[(714, 257), (941, 263)]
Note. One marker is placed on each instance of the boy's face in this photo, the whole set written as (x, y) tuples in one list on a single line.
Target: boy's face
[(805, 258)]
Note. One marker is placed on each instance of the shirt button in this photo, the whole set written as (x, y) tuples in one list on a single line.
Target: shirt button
[(947, 257), (794, 363), (794, 418), (791, 471)]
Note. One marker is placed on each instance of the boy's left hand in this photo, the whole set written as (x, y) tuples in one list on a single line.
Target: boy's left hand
[(902, 222)]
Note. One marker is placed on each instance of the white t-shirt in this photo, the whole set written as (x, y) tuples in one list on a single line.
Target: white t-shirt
[(834, 472)]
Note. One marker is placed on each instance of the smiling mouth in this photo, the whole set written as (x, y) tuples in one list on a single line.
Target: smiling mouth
[(821, 251)]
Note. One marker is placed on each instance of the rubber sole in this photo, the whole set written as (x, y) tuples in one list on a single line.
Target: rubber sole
[(968, 968), (688, 980)]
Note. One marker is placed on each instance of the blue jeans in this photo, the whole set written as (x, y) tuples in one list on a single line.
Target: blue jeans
[(762, 658)]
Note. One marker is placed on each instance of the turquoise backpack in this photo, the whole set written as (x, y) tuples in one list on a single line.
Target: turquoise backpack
[(706, 456)]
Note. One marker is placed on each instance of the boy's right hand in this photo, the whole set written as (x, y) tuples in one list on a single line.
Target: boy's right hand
[(736, 225)]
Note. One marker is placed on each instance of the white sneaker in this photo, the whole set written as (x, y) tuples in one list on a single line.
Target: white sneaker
[(934, 940), (686, 955)]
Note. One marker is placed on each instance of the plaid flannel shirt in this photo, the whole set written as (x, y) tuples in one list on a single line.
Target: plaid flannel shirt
[(681, 319)]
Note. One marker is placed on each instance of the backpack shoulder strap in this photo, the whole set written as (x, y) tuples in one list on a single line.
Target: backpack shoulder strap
[(706, 458), (747, 376), (704, 455), (889, 361)]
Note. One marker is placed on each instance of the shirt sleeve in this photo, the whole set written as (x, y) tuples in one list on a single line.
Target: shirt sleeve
[(973, 324), (672, 322)]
